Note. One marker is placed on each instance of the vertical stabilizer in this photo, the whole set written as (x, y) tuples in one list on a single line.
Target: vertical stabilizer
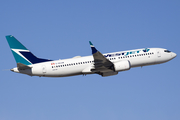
[(21, 53)]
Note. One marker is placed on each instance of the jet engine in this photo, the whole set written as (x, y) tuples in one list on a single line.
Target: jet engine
[(122, 65)]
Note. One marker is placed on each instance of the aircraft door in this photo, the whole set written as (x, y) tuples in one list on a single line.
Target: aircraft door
[(158, 53), (44, 69)]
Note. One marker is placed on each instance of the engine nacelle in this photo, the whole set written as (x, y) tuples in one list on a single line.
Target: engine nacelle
[(122, 66)]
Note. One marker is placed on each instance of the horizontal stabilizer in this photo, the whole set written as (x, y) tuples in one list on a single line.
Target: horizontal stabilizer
[(22, 66)]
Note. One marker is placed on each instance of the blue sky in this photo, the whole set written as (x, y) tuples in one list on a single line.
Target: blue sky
[(62, 29)]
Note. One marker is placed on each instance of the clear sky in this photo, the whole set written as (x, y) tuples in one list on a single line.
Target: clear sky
[(59, 29)]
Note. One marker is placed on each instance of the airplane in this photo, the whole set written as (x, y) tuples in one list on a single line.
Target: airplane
[(107, 64)]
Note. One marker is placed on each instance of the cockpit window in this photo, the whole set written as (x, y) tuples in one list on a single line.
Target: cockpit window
[(167, 51)]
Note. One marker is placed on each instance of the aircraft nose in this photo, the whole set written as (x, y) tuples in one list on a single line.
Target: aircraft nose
[(173, 55)]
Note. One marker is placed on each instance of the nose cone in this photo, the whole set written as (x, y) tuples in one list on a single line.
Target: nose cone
[(173, 55)]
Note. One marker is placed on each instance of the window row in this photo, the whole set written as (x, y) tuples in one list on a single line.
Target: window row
[(72, 64), (136, 55)]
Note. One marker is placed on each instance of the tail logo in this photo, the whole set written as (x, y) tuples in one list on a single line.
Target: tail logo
[(21, 53)]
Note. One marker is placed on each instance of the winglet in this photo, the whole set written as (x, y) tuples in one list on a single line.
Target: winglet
[(94, 50), (90, 43)]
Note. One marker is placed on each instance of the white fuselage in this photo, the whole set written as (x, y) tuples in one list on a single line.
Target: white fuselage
[(83, 65)]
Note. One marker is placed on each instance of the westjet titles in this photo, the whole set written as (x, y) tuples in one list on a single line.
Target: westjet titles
[(126, 53)]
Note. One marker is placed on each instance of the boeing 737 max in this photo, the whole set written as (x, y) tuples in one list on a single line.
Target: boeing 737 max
[(103, 64)]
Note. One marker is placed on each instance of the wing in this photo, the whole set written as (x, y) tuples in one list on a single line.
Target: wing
[(101, 64)]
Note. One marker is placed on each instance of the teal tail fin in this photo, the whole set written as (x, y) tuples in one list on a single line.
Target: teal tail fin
[(21, 53)]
